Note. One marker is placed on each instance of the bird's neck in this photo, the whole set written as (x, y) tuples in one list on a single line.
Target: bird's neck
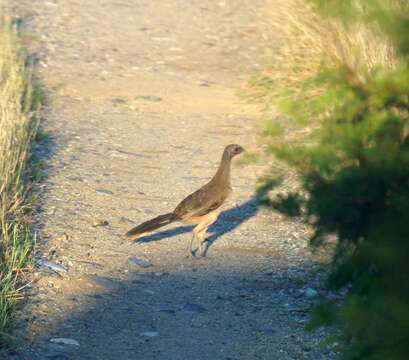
[(223, 172)]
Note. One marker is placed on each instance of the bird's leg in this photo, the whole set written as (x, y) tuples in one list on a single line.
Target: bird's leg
[(190, 247), (197, 234), (203, 243), (202, 235), (203, 248)]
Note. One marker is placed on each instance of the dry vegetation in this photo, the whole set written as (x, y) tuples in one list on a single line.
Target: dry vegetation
[(309, 44), (18, 126), (315, 42)]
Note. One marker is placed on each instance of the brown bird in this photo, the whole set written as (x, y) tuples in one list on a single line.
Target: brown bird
[(200, 208)]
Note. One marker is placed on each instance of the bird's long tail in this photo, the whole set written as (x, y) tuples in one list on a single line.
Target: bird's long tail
[(151, 225)]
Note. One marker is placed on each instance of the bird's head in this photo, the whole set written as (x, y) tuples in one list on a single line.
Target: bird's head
[(233, 150)]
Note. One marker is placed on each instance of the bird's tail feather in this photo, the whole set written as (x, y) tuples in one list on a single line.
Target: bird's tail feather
[(151, 225)]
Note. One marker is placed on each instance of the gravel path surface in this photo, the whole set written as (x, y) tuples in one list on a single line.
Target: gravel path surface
[(141, 100)]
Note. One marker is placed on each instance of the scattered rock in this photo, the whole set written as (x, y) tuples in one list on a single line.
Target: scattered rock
[(204, 83), (100, 223), (53, 266), (139, 261), (104, 192), (150, 98), (193, 308), (65, 341), (150, 333), (118, 101), (310, 293)]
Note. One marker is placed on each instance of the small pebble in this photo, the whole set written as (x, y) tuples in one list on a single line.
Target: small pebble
[(193, 308), (104, 192), (65, 341), (150, 98), (310, 293), (139, 261), (55, 267), (150, 333), (100, 223)]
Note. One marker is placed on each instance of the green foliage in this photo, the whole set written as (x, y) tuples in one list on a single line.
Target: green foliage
[(354, 164), (325, 313), (249, 158), (272, 128), (265, 186)]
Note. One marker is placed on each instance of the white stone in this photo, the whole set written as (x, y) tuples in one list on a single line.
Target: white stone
[(65, 341), (310, 293)]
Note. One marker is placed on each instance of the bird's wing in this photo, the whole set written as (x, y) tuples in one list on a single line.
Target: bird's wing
[(201, 202)]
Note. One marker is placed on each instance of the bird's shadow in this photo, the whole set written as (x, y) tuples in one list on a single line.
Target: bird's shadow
[(227, 221)]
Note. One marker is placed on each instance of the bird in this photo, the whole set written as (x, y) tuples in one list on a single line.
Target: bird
[(200, 208)]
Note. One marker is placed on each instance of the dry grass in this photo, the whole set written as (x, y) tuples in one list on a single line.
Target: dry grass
[(18, 126), (310, 43), (307, 44)]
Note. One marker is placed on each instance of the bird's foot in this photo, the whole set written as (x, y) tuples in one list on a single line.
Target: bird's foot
[(191, 254), (202, 251)]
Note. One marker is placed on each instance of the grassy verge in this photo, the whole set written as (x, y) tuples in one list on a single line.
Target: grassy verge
[(309, 45), (18, 127)]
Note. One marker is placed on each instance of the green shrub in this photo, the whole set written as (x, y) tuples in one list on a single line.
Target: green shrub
[(353, 161)]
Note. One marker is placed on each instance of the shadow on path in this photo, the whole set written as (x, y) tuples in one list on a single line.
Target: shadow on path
[(227, 221), (221, 309)]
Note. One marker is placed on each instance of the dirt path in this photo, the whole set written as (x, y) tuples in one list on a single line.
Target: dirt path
[(141, 102)]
